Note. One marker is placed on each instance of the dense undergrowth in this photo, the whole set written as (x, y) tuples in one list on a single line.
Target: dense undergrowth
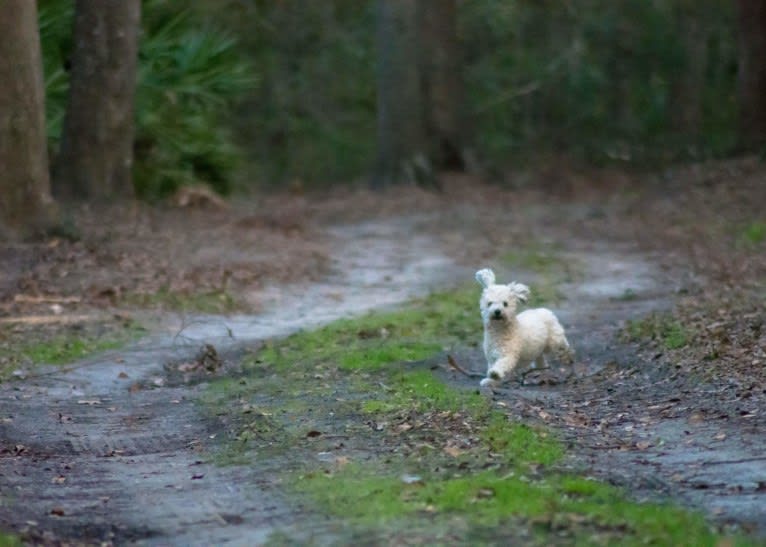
[(632, 82), (629, 82), (191, 73)]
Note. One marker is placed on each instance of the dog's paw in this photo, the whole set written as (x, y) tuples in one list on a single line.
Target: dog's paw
[(488, 382)]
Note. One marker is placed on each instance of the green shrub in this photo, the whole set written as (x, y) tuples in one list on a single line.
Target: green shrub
[(601, 80), (190, 75)]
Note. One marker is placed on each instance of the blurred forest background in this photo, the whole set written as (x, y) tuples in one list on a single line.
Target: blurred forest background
[(261, 94)]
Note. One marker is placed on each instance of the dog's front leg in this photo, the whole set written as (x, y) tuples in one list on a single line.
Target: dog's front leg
[(500, 370)]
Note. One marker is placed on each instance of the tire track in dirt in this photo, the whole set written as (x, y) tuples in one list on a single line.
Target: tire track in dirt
[(88, 456)]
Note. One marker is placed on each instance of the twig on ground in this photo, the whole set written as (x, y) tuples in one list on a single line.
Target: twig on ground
[(743, 460), (453, 364)]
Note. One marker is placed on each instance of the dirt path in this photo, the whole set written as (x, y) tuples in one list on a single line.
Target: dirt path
[(112, 450), (106, 451), (637, 422)]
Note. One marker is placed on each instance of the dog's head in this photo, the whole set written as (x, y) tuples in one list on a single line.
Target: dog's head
[(499, 302)]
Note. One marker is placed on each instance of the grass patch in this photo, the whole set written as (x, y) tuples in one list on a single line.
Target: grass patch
[(754, 233), (213, 302), (373, 341), (660, 328), (59, 347), (551, 269), (7, 540), (422, 391), (65, 349), (401, 448), (573, 508)]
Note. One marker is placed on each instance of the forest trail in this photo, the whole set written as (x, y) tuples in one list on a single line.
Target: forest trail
[(106, 450), (112, 449)]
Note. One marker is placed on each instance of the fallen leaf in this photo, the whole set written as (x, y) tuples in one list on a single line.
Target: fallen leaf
[(721, 436), (485, 493), (58, 511), (643, 445), (58, 480), (89, 402), (453, 451), (696, 418), (123, 375), (313, 433), (197, 477)]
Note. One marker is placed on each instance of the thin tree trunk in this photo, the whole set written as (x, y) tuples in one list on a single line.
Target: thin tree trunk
[(687, 86), (96, 157), (752, 72), (402, 150), (25, 200), (441, 65)]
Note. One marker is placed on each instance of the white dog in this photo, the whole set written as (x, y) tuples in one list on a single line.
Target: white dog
[(511, 340)]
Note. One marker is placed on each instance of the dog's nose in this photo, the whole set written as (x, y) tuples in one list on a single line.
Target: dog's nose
[(498, 314)]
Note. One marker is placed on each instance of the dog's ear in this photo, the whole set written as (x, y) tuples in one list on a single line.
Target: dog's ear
[(485, 277), (520, 290)]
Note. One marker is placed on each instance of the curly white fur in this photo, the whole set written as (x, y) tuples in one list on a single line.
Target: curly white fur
[(511, 340)]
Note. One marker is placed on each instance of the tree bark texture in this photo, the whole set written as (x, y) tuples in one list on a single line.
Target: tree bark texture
[(752, 72), (401, 128), (25, 200), (96, 157), (420, 92), (441, 66), (689, 83)]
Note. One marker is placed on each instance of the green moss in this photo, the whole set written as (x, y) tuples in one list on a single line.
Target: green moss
[(536, 258), (550, 267), (214, 302), (64, 349), (754, 233), (581, 509), (519, 443), (370, 342), (7, 540), (421, 390), (663, 328)]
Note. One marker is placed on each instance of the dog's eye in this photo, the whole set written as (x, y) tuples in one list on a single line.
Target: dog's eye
[(505, 304), (489, 304)]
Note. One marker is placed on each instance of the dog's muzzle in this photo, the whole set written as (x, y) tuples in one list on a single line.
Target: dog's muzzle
[(497, 314)]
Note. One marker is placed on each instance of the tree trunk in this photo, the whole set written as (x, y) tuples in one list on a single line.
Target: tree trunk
[(402, 150), (25, 200), (752, 72), (688, 85), (441, 65), (96, 156)]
